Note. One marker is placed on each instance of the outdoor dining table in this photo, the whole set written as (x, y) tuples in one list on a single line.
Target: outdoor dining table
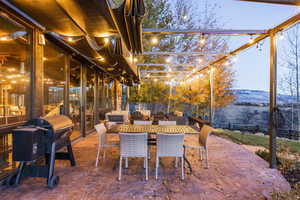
[(153, 129)]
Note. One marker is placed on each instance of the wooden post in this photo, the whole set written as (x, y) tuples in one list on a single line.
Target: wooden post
[(83, 99), (67, 59), (211, 99), (37, 76), (272, 98), (115, 94)]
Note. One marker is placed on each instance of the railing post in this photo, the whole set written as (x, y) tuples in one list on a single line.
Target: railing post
[(272, 99)]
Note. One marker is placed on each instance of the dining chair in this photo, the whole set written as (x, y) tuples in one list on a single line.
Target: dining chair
[(167, 123), (133, 145), (202, 143), (170, 145), (151, 140), (103, 144), (142, 122)]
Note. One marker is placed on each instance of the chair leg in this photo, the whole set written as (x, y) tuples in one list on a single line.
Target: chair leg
[(149, 154), (176, 162), (126, 162), (98, 154), (182, 168), (104, 155), (201, 154), (120, 168), (156, 168), (146, 161), (206, 157)]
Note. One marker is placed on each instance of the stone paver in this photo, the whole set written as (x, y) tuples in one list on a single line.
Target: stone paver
[(234, 173)]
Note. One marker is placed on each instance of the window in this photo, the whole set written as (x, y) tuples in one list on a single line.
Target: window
[(54, 79), (15, 54), (74, 96)]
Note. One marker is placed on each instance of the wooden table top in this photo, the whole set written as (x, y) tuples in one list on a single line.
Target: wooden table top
[(152, 129)]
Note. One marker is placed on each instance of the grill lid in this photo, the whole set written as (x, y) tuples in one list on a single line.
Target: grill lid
[(59, 122)]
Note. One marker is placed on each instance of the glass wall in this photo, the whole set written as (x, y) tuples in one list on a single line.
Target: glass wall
[(54, 79), (90, 95), (74, 96), (15, 54)]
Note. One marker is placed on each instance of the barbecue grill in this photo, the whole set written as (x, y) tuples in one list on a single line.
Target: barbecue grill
[(41, 138)]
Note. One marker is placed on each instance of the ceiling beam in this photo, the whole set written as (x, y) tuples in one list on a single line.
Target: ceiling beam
[(203, 31), (181, 53), (166, 64)]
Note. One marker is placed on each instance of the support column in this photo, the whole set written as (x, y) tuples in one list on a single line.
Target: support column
[(272, 99), (127, 97), (82, 99), (211, 99), (67, 85), (37, 76), (115, 95), (169, 100), (96, 99)]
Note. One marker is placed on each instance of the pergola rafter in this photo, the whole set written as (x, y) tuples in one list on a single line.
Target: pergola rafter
[(182, 54), (203, 31)]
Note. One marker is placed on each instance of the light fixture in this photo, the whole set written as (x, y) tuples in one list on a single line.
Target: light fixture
[(185, 17), (69, 39), (168, 60), (227, 63), (155, 79), (251, 40), (154, 40), (201, 75), (100, 58), (106, 40), (4, 38), (234, 59), (135, 60), (202, 39), (281, 36), (200, 60), (212, 69)]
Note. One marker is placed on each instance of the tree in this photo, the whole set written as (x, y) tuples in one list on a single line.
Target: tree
[(290, 61)]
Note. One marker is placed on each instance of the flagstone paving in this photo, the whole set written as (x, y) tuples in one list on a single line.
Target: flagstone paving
[(234, 173)]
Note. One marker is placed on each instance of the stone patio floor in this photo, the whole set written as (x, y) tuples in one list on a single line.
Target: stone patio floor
[(234, 173)]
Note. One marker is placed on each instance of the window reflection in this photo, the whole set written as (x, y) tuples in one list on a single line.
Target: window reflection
[(54, 79), (90, 95), (15, 52), (74, 97)]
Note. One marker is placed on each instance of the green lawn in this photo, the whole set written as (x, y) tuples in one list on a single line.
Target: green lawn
[(255, 140)]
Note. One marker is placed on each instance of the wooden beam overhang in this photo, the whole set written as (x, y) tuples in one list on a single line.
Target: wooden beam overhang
[(181, 54)]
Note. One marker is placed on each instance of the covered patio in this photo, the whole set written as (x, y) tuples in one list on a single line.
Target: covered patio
[(97, 49), (235, 173)]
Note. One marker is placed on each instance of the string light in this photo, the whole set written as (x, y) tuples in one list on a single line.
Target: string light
[(4, 38), (251, 40), (234, 59), (200, 60), (168, 60), (185, 17), (154, 40), (281, 36), (202, 40), (135, 60)]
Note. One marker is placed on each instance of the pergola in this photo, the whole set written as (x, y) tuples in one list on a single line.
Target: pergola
[(221, 58)]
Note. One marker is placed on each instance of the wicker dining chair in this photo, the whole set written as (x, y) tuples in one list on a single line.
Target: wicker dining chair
[(103, 144), (170, 145), (133, 145), (167, 123), (151, 141), (202, 143)]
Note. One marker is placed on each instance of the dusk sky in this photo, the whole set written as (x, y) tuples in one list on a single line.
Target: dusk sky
[(252, 67)]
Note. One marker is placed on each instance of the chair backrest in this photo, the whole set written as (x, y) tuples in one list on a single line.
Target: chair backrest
[(141, 122), (118, 118), (204, 134), (101, 131), (167, 123), (133, 144), (170, 145)]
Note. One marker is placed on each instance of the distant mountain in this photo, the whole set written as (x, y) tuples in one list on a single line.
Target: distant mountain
[(259, 96)]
